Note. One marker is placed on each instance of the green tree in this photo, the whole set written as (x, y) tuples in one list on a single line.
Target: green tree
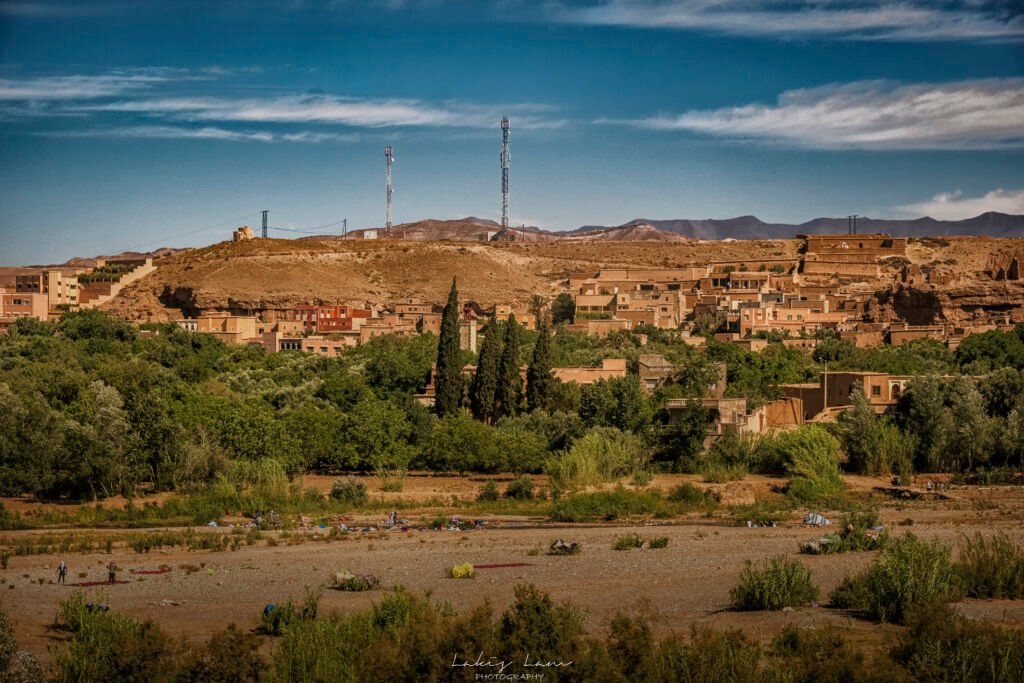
[(539, 378), (617, 402), (991, 350), (485, 381), (563, 309), (683, 443), (921, 411), (860, 433), (509, 392), (460, 443), (377, 437), (448, 383)]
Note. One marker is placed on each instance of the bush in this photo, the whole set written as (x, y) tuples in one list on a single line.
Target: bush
[(941, 645), (658, 542), (489, 492), (689, 494), (907, 574), (607, 505), (775, 584), (520, 488), (813, 469), (715, 472), (628, 542), (642, 478), (604, 454), (991, 568), (349, 491)]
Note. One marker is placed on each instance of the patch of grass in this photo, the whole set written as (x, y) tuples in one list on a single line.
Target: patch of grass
[(608, 505), (349, 491), (520, 488), (941, 645), (658, 542), (628, 542), (688, 494), (715, 472), (908, 573), (774, 584), (489, 492), (991, 567), (642, 478)]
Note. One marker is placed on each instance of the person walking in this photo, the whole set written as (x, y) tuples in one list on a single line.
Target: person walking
[(112, 572), (62, 573)]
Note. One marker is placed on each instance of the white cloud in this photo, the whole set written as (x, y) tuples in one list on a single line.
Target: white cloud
[(168, 132), (982, 114), (78, 87), (910, 20), (954, 206), (328, 109), (204, 133)]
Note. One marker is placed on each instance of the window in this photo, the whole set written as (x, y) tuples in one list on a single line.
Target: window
[(876, 390)]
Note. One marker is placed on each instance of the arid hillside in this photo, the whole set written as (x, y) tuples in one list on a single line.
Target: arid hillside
[(267, 275)]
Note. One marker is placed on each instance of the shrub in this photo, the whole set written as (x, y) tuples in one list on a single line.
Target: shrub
[(774, 584), (489, 492), (642, 478), (715, 472), (991, 568), (607, 505), (908, 573), (349, 491), (604, 454), (689, 494), (941, 645), (8, 645), (658, 542), (520, 488), (628, 542), (813, 468)]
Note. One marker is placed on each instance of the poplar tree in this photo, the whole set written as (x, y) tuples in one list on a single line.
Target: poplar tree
[(510, 383), (485, 382), (539, 380), (448, 382)]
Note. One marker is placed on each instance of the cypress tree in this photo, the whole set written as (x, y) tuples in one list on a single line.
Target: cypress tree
[(485, 382), (510, 383), (448, 382), (539, 380)]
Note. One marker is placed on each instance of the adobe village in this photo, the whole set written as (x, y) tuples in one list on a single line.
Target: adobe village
[(748, 438)]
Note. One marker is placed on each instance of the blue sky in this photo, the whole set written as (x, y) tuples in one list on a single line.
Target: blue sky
[(141, 124)]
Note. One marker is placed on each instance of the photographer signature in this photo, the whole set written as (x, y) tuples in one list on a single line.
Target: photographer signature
[(502, 664)]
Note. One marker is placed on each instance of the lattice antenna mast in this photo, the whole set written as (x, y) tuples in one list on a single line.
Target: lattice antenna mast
[(388, 158), (505, 158), (264, 233)]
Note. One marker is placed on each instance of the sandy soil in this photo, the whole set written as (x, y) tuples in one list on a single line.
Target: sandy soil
[(684, 584)]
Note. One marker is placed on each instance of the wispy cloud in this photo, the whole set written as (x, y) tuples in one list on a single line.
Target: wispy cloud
[(79, 87), (908, 20), (876, 115), (326, 109), (954, 206), (204, 133)]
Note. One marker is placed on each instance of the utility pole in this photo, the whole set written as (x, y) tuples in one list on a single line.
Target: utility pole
[(505, 158), (264, 234), (851, 223), (344, 228), (388, 158)]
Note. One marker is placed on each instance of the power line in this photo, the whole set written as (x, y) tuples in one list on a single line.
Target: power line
[(190, 232), (309, 231)]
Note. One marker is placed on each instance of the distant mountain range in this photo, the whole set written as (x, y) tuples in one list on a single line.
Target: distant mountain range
[(989, 224)]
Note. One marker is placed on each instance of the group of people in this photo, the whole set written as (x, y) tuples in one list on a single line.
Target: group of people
[(62, 573)]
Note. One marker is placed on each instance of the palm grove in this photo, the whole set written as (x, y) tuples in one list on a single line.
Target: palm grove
[(89, 409)]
